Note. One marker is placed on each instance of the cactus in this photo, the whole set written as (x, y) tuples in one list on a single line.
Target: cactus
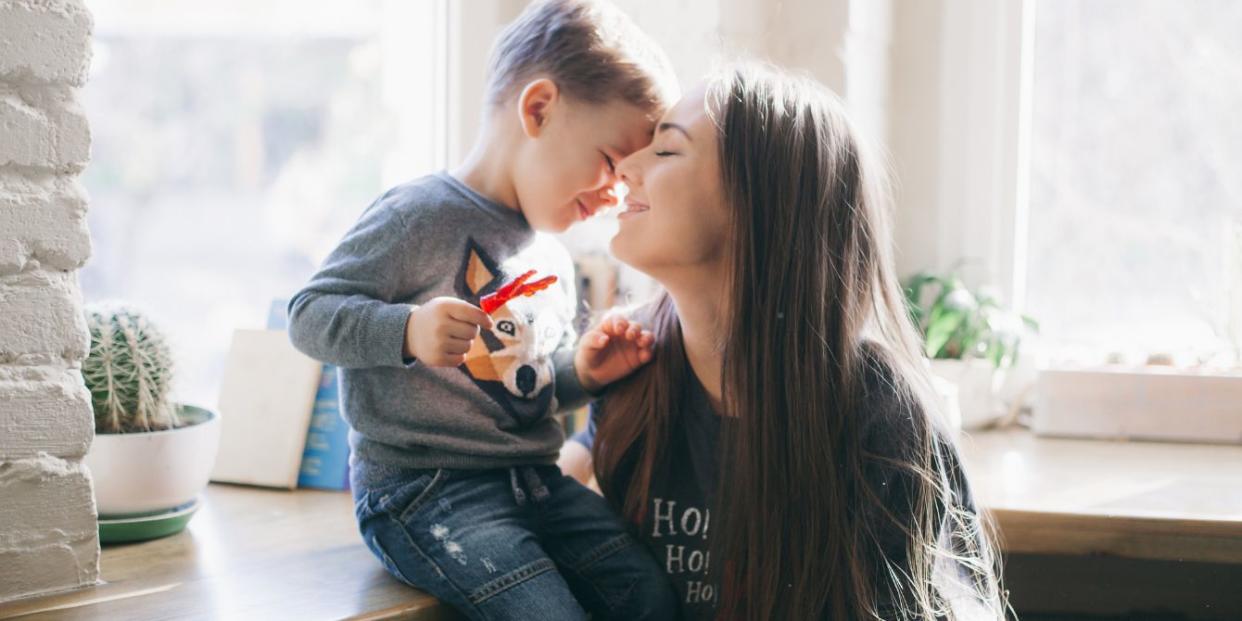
[(128, 372)]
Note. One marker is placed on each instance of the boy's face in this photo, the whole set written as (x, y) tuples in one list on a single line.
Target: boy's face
[(565, 170)]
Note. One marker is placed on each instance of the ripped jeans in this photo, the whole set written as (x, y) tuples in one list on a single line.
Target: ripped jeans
[(517, 543)]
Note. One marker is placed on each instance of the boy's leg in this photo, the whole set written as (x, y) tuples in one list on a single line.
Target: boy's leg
[(613, 575), (462, 537)]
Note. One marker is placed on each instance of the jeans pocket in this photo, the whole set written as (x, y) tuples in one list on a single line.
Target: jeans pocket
[(410, 499), (401, 498), (384, 495)]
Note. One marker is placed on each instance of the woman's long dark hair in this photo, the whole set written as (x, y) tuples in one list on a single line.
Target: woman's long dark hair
[(813, 290)]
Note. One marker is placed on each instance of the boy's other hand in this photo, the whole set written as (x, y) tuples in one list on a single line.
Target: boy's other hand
[(440, 332), (610, 351)]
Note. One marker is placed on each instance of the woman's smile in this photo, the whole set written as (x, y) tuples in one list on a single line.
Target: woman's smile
[(632, 208)]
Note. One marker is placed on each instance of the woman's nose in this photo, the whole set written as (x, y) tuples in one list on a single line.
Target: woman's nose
[(627, 170)]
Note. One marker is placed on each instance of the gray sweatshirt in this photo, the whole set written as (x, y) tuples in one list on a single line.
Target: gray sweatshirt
[(428, 238)]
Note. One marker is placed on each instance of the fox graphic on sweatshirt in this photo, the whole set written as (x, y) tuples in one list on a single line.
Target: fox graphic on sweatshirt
[(512, 363)]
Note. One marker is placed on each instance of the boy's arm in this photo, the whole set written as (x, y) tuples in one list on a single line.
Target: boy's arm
[(570, 393), (347, 315)]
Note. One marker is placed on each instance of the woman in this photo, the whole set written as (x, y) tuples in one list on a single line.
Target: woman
[(780, 456)]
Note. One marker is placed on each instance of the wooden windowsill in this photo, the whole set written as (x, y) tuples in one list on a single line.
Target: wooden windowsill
[(261, 554), (249, 553), (1142, 500)]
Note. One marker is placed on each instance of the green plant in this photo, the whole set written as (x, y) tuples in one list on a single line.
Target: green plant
[(128, 372), (959, 323)]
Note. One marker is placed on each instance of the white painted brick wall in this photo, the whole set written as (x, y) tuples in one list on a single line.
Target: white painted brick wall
[(49, 541), (41, 411), (48, 536), (44, 41), (44, 127), (51, 209)]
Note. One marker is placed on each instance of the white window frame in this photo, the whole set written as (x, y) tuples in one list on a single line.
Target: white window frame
[(984, 96), (472, 27)]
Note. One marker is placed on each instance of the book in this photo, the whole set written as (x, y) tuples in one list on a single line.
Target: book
[(265, 408), (325, 457)]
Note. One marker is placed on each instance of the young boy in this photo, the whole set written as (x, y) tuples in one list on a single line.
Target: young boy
[(454, 446)]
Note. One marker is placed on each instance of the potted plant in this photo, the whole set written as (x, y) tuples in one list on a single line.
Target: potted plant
[(150, 457), (970, 339)]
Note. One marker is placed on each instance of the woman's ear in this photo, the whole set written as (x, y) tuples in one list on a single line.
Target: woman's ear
[(536, 104)]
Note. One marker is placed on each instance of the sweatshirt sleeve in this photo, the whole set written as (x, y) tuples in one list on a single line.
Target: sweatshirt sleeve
[(348, 314), (570, 394)]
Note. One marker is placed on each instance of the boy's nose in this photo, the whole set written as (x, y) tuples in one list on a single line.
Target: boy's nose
[(600, 199)]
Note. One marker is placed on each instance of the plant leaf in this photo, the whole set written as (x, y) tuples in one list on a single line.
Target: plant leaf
[(913, 290), (941, 328), (1030, 323)]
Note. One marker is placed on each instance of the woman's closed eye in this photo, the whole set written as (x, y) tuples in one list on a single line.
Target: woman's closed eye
[(612, 166), (664, 153)]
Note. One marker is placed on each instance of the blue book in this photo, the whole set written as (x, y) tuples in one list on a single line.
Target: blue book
[(325, 459)]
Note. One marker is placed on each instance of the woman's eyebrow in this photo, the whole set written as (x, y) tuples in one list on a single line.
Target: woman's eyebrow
[(668, 125)]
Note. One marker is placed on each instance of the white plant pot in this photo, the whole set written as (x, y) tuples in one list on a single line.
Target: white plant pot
[(157, 470), (1143, 403), (946, 392), (978, 384)]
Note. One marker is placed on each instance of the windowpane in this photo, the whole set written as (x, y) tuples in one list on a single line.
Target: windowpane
[(1136, 197), (235, 142)]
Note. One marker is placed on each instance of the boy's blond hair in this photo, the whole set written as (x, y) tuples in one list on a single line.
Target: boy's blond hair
[(589, 48)]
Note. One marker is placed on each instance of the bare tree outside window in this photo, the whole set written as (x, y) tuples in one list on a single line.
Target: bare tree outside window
[(1136, 180)]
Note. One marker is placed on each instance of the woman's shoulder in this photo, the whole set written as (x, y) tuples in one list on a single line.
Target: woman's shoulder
[(893, 419), (884, 396), (897, 429)]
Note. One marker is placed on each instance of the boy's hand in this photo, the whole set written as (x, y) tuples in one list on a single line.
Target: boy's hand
[(610, 351), (440, 332)]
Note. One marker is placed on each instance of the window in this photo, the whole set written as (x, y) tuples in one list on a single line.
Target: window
[(1135, 197), (234, 142)]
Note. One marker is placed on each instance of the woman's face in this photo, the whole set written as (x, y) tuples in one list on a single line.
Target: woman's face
[(676, 217)]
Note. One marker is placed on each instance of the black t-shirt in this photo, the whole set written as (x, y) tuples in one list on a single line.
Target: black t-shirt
[(677, 518), (678, 515)]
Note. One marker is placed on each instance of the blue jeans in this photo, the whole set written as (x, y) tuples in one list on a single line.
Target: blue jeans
[(518, 543)]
